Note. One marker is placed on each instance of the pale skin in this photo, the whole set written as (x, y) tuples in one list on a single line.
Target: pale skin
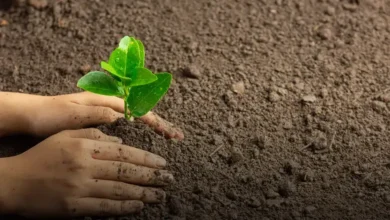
[(77, 171)]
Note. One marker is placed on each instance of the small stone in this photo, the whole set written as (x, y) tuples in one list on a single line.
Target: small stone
[(192, 71), (274, 202), (309, 98), (325, 33), (291, 166), (287, 189), (230, 99), (256, 153), (274, 97), (38, 4), (288, 124), (254, 202), (324, 93), (330, 10), (387, 198), (349, 7), (217, 140), (239, 87), (232, 195), (240, 67), (271, 194), (307, 176), (3, 22), (379, 106), (85, 68), (236, 155), (385, 97), (193, 45), (309, 209)]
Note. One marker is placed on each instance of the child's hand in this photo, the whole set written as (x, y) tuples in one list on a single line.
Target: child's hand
[(47, 115), (81, 172)]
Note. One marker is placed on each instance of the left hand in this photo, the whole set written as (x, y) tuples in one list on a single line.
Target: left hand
[(47, 115)]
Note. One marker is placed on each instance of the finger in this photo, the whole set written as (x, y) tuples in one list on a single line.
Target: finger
[(104, 207), (162, 126), (95, 115), (87, 98), (123, 191), (119, 152), (93, 134), (130, 173)]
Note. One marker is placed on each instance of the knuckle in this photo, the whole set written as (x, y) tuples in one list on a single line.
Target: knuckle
[(106, 208), (118, 189), (93, 133)]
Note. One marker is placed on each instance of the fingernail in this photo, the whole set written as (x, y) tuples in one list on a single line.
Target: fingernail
[(135, 206), (155, 196), (160, 162), (115, 139)]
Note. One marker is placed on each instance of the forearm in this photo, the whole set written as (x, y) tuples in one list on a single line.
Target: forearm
[(13, 115), (6, 200)]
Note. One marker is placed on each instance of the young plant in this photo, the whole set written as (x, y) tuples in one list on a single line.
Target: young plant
[(128, 79)]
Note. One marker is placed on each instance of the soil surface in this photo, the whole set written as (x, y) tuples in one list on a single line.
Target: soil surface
[(285, 104)]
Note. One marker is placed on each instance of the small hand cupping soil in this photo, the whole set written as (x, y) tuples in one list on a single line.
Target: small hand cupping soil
[(285, 104)]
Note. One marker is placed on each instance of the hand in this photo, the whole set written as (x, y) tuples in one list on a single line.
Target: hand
[(79, 173), (47, 115)]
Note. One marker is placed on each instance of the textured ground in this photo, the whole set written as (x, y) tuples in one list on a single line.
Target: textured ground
[(285, 103)]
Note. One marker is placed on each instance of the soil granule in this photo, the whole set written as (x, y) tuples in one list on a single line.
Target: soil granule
[(304, 135)]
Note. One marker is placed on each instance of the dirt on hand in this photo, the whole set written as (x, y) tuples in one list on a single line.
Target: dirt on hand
[(304, 135)]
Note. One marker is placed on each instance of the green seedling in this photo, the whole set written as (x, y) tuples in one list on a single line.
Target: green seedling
[(128, 79)]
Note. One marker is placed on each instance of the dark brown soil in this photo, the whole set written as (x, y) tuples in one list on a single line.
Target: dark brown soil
[(303, 135)]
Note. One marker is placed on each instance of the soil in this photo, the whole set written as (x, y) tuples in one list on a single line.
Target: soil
[(285, 104)]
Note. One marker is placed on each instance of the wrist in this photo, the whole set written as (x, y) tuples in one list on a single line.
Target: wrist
[(14, 113), (6, 187)]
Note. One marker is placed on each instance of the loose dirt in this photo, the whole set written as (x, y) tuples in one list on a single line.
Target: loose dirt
[(285, 104)]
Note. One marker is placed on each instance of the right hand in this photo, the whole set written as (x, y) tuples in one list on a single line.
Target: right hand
[(81, 173)]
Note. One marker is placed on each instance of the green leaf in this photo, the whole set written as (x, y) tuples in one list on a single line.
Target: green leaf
[(100, 83), (142, 54), (126, 57), (143, 98), (142, 76), (113, 72)]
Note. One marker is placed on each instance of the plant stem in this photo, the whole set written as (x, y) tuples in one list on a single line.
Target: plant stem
[(126, 115)]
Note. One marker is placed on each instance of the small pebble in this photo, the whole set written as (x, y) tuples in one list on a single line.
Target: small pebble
[(3, 22), (192, 71), (256, 153), (387, 198), (325, 33), (307, 176), (38, 4), (309, 98), (254, 202), (309, 209), (271, 194), (232, 195), (274, 97), (239, 87), (291, 166), (287, 189), (324, 92), (85, 68), (274, 202), (379, 106), (236, 155), (330, 10)]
